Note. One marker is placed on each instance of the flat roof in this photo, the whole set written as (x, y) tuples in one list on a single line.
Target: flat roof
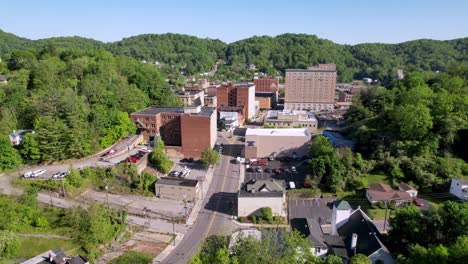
[(305, 70), (154, 110), (177, 182), (291, 132)]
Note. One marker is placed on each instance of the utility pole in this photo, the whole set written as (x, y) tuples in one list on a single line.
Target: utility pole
[(385, 219), (173, 229), (63, 187)]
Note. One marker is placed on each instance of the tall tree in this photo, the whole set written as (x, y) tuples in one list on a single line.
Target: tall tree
[(9, 156)]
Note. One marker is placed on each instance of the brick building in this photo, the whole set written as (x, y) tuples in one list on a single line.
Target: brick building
[(195, 97), (177, 189), (266, 84), (311, 89), (238, 95), (187, 131)]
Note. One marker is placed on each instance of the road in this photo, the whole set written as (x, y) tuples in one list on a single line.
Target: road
[(216, 213)]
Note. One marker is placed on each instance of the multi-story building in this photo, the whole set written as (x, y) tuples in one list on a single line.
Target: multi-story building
[(177, 189), (291, 119), (195, 97), (311, 89), (266, 84), (186, 131), (211, 101), (239, 95)]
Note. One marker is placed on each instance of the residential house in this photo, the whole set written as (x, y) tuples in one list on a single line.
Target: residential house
[(459, 188), (380, 192), (55, 257), (16, 137), (404, 187), (262, 193)]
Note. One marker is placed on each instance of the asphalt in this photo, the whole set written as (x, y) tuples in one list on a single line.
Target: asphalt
[(217, 210)]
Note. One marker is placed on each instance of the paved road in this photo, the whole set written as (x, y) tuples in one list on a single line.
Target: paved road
[(215, 216)]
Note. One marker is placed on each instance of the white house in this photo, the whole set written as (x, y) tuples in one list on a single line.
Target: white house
[(459, 188), (262, 193)]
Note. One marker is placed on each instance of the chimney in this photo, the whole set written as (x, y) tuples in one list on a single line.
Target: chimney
[(354, 242)]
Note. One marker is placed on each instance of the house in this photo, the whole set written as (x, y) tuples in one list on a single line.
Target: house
[(311, 229), (459, 188), (55, 257), (16, 137), (3, 79), (262, 193), (380, 192), (177, 189), (353, 232), (404, 187)]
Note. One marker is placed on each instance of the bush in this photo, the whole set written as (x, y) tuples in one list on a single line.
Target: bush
[(254, 219), (381, 205), (132, 257), (241, 219), (267, 214)]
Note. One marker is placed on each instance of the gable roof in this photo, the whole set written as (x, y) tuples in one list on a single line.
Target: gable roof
[(383, 192), (368, 237), (337, 245), (263, 188), (406, 187), (342, 205), (311, 229)]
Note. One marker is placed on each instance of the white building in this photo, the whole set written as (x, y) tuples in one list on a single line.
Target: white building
[(281, 142), (230, 120), (16, 138), (459, 188), (291, 119), (259, 194)]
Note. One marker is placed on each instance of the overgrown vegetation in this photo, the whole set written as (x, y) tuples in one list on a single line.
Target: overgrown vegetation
[(132, 257), (122, 178), (274, 247), (90, 228), (408, 130), (439, 235), (77, 101)]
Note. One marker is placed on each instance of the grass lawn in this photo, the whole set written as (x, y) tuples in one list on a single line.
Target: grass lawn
[(377, 178), (32, 246)]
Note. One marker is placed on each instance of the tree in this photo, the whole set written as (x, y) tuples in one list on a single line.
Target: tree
[(51, 137), (30, 148), (159, 158), (360, 259), (9, 157), (267, 214), (413, 121), (209, 157)]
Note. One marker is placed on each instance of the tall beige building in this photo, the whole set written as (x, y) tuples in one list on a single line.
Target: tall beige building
[(312, 89)]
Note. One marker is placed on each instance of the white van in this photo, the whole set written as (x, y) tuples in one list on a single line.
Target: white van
[(37, 173), (292, 185), (28, 174)]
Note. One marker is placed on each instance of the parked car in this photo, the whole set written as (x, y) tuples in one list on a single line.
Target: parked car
[(268, 170), (145, 149), (175, 173), (259, 169), (277, 170), (184, 160), (133, 159), (63, 174), (262, 162), (417, 202), (28, 174), (292, 185), (108, 153), (37, 173), (56, 175), (293, 169)]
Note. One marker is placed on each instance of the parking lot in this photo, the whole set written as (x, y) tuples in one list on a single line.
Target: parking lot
[(317, 208), (197, 171), (279, 170)]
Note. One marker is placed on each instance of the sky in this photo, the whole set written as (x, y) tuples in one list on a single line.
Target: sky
[(342, 21)]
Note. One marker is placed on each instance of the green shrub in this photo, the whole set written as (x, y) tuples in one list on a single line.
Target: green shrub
[(254, 219), (267, 214), (241, 219)]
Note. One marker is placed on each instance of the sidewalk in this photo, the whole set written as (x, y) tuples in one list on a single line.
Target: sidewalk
[(168, 250), (198, 205)]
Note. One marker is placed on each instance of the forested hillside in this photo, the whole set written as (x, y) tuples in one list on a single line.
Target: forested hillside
[(75, 100), (194, 55)]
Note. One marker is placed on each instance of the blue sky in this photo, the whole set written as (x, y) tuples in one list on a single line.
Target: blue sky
[(342, 21)]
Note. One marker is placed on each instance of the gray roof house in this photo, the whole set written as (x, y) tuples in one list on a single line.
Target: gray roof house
[(262, 193)]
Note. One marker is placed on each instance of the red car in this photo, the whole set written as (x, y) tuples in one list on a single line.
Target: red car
[(254, 163), (262, 162), (417, 202), (277, 170), (133, 159)]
